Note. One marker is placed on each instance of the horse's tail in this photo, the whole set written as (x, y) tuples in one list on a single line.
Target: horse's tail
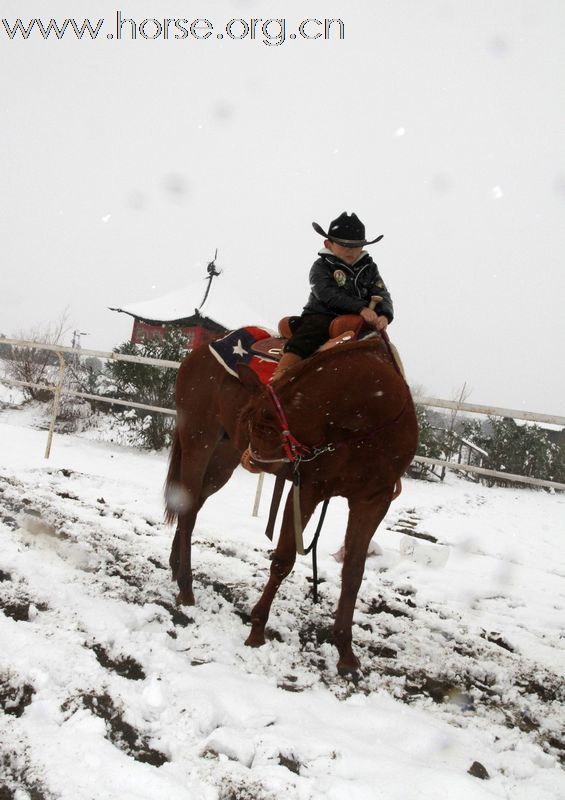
[(173, 479)]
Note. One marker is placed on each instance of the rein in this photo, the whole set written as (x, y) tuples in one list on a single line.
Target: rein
[(295, 451)]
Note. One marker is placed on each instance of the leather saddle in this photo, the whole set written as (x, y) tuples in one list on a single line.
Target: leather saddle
[(344, 328)]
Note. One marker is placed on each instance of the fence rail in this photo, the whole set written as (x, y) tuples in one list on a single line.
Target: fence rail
[(79, 352), (454, 465), (113, 401), (528, 416), (430, 402), (58, 389)]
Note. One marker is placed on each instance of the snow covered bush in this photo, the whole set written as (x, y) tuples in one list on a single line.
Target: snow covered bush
[(429, 444), (519, 449), (143, 383)]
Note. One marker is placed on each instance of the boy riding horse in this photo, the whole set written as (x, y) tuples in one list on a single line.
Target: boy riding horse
[(342, 281)]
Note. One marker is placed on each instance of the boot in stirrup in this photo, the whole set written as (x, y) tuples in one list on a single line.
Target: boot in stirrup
[(287, 361)]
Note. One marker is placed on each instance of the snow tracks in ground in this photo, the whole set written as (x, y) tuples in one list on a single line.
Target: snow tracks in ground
[(110, 690)]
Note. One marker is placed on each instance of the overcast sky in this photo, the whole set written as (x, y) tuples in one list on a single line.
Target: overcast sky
[(125, 164)]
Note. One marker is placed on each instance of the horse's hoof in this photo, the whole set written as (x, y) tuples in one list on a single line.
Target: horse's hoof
[(349, 666), (255, 640), (185, 599), (349, 673)]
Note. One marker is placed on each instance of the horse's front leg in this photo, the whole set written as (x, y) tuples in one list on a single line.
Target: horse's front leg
[(282, 562), (364, 518)]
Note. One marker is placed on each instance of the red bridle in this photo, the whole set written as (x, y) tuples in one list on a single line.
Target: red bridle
[(295, 451)]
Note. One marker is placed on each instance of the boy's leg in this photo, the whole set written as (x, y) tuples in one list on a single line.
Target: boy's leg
[(287, 361), (312, 332)]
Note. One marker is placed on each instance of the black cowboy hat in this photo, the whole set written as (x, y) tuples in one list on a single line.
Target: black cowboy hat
[(346, 230)]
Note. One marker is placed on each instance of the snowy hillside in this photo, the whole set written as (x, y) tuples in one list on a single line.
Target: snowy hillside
[(111, 691)]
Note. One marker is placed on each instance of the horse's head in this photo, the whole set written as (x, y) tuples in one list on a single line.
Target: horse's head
[(262, 423)]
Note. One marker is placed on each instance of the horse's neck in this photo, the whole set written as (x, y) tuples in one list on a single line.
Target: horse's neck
[(369, 390), (364, 407)]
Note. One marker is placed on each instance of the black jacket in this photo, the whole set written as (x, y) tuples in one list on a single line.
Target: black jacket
[(339, 289)]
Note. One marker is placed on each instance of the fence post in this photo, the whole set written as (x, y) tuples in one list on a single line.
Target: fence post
[(55, 409)]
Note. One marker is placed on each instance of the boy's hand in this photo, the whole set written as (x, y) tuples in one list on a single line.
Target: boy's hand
[(378, 321), (369, 316)]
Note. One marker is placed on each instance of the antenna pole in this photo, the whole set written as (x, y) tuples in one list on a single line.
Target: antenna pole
[(212, 273)]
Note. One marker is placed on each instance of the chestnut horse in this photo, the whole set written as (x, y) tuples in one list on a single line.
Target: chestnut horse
[(349, 406)]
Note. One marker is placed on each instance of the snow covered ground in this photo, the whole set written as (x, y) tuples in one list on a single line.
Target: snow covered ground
[(111, 691)]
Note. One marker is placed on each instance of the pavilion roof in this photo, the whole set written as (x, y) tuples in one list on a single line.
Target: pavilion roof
[(223, 307)]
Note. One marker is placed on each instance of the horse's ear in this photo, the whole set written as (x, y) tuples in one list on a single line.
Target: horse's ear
[(249, 378)]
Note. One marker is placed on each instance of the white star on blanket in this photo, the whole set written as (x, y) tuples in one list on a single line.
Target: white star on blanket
[(239, 349)]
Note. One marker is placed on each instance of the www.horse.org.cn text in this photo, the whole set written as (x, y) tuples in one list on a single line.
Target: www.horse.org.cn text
[(272, 32)]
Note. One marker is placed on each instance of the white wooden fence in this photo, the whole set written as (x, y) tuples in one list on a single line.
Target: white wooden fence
[(430, 402)]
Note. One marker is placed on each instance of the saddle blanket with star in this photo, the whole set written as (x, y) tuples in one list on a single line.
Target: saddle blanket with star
[(237, 348)]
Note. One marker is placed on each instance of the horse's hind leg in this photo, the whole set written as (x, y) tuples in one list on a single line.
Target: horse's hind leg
[(192, 473), (225, 459), (201, 476), (194, 463), (281, 564), (174, 558), (364, 518)]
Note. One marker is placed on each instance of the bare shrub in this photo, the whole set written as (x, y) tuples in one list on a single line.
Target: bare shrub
[(34, 365)]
